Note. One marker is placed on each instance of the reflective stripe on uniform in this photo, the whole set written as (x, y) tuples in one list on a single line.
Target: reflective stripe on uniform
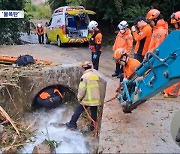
[(82, 85), (56, 90), (94, 78), (44, 95), (89, 87), (95, 102)]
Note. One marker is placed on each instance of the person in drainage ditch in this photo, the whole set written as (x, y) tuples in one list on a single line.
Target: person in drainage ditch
[(88, 96), (50, 98)]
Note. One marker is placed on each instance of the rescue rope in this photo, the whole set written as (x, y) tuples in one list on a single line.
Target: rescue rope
[(113, 98), (94, 122)]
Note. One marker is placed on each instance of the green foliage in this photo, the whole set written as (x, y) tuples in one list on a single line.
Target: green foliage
[(74, 3), (119, 6), (53, 143), (54, 4), (108, 12), (133, 11), (38, 12), (10, 28)]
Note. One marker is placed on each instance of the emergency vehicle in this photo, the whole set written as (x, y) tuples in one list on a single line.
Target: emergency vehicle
[(69, 24)]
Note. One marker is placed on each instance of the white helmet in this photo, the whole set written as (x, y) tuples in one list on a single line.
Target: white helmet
[(39, 25), (122, 25), (92, 25)]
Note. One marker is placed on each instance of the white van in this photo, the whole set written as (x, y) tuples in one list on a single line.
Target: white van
[(68, 25)]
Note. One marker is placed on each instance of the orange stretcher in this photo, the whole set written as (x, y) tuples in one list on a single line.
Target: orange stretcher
[(12, 59)]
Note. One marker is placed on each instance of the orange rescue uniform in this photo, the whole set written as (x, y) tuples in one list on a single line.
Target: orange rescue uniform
[(95, 41), (143, 39), (124, 40), (129, 69), (40, 30), (173, 90), (46, 95), (160, 32)]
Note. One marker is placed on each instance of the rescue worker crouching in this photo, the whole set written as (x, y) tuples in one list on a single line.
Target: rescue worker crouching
[(128, 64), (173, 90), (88, 96), (40, 33), (124, 39), (50, 98), (95, 43)]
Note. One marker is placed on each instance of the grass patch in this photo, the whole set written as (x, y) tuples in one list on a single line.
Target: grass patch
[(38, 12)]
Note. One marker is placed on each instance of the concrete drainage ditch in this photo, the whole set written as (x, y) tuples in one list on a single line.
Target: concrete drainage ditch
[(19, 88)]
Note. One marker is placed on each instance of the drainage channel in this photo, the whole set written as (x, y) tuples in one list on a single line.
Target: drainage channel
[(49, 126), (20, 94)]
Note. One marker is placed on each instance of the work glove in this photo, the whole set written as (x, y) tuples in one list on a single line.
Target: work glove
[(133, 28), (94, 56)]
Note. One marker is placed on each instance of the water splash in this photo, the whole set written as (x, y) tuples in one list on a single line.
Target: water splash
[(46, 123)]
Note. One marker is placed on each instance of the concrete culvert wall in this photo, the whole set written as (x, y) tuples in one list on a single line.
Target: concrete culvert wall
[(21, 85)]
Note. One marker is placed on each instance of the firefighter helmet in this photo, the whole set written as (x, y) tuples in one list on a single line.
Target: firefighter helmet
[(92, 25), (175, 17), (153, 14), (86, 64), (39, 25), (122, 25)]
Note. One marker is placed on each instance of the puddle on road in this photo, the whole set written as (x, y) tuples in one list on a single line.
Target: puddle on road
[(47, 121)]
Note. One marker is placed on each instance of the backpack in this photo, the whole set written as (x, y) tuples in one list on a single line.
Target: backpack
[(24, 60)]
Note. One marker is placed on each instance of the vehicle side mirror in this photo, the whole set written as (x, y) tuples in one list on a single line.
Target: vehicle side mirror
[(46, 24)]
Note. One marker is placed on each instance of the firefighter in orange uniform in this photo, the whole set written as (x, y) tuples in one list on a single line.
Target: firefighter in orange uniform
[(40, 33), (129, 64), (173, 90), (160, 29), (95, 43), (124, 39), (142, 32)]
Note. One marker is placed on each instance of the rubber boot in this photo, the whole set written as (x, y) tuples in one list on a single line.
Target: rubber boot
[(71, 126), (115, 74)]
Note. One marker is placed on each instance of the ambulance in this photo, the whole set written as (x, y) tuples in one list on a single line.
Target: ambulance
[(69, 24)]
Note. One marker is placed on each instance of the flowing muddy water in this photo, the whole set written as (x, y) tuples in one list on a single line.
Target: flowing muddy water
[(47, 125)]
